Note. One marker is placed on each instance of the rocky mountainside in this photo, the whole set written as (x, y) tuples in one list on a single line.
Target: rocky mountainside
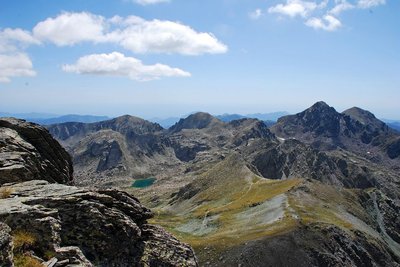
[(320, 183), (52, 223)]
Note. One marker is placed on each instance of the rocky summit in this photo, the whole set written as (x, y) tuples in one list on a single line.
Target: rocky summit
[(319, 184), (355, 130), (48, 222)]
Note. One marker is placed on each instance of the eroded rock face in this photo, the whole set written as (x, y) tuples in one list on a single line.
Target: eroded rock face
[(28, 152), (99, 228)]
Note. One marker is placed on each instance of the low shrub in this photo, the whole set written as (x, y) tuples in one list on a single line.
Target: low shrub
[(5, 192), (23, 240)]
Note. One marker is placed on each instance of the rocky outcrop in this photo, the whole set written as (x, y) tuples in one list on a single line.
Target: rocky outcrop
[(28, 152), (109, 152), (88, 228)]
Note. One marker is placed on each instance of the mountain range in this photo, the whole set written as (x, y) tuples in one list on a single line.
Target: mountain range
[(268, 118), (322, 184), (47, 119), (393, 124)]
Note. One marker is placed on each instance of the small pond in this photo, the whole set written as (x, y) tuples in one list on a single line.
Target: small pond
[(142, 183)]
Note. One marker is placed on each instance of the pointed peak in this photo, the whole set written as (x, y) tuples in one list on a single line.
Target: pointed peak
[(320, 108), (320, 105)]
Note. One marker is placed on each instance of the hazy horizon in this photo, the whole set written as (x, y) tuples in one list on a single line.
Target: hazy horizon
[(167, 58), (182, 114)]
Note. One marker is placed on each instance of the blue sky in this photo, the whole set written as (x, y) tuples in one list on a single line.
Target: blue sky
[(222, 56)]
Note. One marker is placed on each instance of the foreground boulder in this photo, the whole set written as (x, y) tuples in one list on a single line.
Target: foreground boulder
[(28, 152), (73, 226)]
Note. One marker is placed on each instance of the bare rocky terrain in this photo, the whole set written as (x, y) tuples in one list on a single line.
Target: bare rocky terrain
[(322, 184)]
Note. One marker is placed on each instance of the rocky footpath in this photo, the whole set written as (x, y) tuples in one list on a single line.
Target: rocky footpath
[(45, 221), (28, 151)]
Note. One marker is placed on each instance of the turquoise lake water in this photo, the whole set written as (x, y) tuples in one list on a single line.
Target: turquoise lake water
[(142, 183)]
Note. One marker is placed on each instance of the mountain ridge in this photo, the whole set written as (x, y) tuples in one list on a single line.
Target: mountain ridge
[(308, 177)]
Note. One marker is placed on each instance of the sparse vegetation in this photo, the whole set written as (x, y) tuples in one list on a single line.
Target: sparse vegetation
[(23, 240), (5, 192), (245, 190), (26, 261)]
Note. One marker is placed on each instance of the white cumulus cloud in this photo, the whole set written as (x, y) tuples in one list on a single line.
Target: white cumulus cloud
[(14, 39), (158, 36), (70, 28), (327, 23), (15, 65), (132, 33), (117, 64), (150, 2), (293, 8)]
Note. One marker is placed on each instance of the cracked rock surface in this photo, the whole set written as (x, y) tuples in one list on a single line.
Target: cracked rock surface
[(100, 228)]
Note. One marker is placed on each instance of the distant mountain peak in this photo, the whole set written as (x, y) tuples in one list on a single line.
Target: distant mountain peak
[(361, 115), (325, 128), (127, 118), (198, 120), (201, 116), (318, 114), (321, 106)]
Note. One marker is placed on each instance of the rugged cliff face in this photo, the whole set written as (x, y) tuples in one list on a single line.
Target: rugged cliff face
[(54, 224), (28, 152)]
